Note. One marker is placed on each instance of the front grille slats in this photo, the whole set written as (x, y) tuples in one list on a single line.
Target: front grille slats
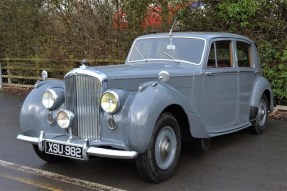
[(82, 94)]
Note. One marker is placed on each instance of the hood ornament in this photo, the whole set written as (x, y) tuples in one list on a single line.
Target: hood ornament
[(83, 64)]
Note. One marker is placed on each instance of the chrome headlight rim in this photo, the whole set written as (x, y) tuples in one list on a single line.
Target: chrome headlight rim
[(69, 118), (54, 97), (117, 101)]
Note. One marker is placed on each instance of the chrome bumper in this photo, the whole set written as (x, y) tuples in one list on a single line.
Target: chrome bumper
[(87, 150)]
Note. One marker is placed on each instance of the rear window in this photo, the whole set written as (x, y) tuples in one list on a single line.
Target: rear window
[(243, 54)]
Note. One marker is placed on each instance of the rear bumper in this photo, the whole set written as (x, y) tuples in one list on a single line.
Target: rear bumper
[(87, 149)]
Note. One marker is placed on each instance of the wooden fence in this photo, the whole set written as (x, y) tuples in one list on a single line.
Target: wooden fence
[(25, 72)]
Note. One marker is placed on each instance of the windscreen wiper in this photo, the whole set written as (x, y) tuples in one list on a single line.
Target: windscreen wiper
[(168, 55), (141, 54)]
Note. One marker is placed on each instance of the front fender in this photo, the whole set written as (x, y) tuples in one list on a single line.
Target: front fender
[(146, 108), (33, 115)]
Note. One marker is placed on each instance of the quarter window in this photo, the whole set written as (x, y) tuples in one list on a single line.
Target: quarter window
[(220, 55), (243, 54)]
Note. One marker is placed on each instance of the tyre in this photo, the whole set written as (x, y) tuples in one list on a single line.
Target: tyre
[(47, 157), (158, 162), (262, 115)]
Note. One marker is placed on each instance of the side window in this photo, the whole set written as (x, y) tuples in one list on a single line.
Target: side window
[(243, 54), (220, 55), (212, 59)]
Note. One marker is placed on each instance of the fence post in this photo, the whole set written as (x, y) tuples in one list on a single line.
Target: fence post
[(9, 72), (0, 77)]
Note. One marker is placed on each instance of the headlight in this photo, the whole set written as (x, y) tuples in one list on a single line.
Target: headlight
[(110, 101), (49, 98), (52, 98), (64, 119)]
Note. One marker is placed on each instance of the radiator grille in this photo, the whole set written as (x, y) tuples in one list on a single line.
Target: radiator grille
[(82, 97)]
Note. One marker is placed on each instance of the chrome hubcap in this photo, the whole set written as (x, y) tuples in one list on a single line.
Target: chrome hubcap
[(262, 112), (165, 147)]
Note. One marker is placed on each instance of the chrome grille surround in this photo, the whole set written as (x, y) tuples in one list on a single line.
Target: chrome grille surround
[(83, 90)]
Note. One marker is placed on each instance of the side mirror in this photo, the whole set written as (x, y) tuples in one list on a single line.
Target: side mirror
[(44, 75), (162, 76)]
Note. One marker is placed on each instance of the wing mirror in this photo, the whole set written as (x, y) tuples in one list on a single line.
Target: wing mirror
[(162, 76)]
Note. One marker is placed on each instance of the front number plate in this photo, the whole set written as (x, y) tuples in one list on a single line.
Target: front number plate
[(64, 150)]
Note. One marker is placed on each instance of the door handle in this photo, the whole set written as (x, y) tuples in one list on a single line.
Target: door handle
[(208, 73)]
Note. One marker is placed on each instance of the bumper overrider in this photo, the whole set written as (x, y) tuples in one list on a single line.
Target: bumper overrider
[(86, 149)]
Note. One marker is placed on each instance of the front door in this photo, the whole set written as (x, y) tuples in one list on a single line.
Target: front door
[(219, 100)]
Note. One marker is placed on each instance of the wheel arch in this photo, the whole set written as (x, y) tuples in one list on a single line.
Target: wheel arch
[(268, 95), (143, 115), (182, 119), (260, 87)]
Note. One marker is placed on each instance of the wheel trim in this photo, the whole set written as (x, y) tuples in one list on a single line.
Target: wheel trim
[(165, 147), (262, 112)]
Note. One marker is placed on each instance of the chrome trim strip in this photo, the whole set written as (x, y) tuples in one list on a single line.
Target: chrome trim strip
[(95, 73), (170, 60), (211, 73)]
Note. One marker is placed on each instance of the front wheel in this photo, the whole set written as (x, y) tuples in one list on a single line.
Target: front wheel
[(158, 162), (262, 115)]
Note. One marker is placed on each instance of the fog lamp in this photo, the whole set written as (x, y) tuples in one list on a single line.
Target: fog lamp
[(50, 118), (112, 124)]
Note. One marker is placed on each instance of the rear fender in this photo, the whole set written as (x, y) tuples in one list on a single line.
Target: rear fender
[(261, 86)]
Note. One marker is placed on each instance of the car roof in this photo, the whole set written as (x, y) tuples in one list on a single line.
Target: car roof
[(205, 35)]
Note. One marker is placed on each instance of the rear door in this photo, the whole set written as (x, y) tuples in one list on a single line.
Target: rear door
[(247, 77)]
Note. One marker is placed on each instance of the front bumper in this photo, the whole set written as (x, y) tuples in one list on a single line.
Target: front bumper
[(87, 149)]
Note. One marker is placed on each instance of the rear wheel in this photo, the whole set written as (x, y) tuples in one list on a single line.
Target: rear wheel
[(262, 115), (158, 162), (48, 158)]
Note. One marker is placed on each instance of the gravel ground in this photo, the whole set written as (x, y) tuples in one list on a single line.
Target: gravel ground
[(279, 115)]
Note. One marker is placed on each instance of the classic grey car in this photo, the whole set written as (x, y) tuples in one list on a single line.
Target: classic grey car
[(172, 86)]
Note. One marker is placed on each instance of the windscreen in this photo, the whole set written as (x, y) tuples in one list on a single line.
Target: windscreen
[(178, 49)]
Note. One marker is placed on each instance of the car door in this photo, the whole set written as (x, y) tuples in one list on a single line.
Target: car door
[(246, 78), (219, 100)]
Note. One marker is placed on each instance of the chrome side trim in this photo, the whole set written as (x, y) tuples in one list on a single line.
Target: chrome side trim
[(213, 73)]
